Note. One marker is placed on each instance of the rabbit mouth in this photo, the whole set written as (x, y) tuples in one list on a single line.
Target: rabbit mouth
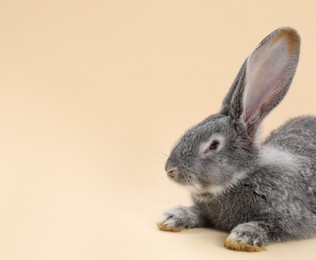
[(182, 177)]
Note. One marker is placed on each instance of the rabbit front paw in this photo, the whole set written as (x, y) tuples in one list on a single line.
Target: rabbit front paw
[(177, 219), (250, 237)]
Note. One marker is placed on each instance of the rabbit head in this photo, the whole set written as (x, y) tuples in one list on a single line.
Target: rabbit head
[(221, 150)]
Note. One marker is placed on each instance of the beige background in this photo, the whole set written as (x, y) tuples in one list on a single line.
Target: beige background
[(93, 94)]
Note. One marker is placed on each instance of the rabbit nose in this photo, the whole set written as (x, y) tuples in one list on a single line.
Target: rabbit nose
[(172, 172)]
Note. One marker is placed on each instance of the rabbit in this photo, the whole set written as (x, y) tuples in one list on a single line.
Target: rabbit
[(260, 192)]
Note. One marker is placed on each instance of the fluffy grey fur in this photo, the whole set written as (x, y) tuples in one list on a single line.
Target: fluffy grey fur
[(259, 192)]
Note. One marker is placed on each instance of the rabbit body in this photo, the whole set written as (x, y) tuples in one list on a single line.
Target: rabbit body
[(261, 193), (280, 191)]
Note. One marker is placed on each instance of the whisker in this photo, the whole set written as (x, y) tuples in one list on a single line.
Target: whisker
[(160, 153), (201, 194)]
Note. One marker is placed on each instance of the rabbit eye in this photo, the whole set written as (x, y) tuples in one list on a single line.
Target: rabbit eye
[(212, 147)]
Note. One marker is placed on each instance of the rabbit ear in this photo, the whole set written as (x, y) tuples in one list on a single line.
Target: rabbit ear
[(264, 79)]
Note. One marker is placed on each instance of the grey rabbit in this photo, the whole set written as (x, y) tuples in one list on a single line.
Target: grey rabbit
[(259, 192)]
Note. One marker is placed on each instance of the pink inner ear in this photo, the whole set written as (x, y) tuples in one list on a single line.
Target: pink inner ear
[(265, 76)]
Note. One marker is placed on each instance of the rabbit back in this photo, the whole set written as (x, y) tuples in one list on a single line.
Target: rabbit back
[(298, 136)]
